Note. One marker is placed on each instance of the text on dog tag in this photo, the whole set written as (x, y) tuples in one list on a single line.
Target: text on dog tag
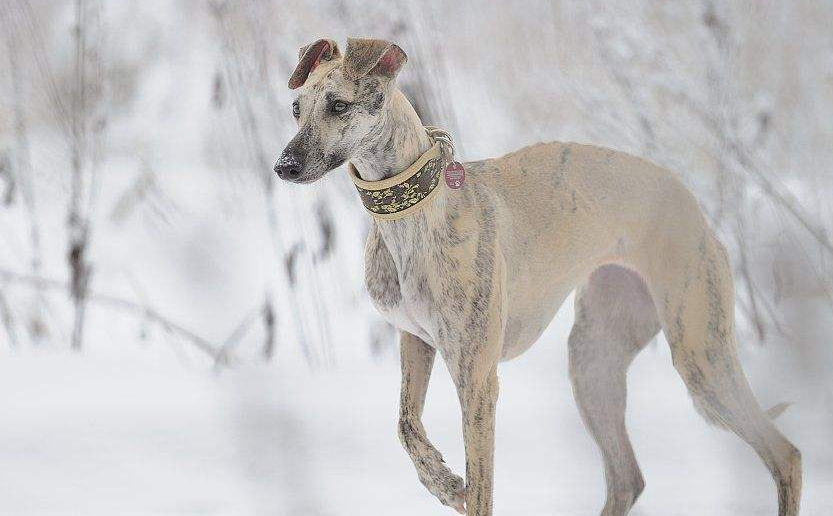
[(455, 175)]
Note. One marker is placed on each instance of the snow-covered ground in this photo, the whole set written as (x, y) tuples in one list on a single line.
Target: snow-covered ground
[(194, 108), (136, 433)]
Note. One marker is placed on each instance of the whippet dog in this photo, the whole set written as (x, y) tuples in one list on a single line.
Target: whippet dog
[(476, 267)]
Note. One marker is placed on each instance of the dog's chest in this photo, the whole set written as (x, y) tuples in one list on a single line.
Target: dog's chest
[(399, 288)]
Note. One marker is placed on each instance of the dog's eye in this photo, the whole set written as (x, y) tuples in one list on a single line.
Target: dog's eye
[(338, 107), (296, 109)]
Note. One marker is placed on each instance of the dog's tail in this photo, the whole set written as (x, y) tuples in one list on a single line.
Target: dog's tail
[(777, 410)]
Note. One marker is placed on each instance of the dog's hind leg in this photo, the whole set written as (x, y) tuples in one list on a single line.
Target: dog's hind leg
[(698, 321), (417, 361), (615, 319)]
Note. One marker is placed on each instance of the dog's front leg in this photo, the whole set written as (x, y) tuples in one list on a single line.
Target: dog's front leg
[(417, 360), (478, 397), (472, 363)]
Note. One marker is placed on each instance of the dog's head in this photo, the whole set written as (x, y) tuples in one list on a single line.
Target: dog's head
[(340, 104)]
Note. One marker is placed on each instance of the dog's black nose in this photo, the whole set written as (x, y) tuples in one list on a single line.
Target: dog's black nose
[(288, 167)]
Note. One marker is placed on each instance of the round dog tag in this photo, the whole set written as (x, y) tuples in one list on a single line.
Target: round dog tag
[(455, 175)]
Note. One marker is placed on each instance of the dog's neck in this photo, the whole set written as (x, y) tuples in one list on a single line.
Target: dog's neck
[(397, 143), (400, 142)]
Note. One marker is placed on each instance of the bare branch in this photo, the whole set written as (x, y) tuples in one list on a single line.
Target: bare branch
[(237, 334), (123, 305)]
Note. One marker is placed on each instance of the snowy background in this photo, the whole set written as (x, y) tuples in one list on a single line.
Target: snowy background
[(180, 334)]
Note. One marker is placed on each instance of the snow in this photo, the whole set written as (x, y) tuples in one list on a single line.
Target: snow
[(141, 423), (134, 433)]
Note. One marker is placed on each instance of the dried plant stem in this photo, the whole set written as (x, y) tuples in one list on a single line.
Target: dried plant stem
[(8, 320), (755, 314), (269, 327), (77, 229)]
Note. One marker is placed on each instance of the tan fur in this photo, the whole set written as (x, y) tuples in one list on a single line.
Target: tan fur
[(480, 272)]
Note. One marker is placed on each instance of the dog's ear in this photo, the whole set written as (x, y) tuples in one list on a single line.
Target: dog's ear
[(311, 56), (372, 57)]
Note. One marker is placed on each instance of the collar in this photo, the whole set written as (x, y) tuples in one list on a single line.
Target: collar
[(406, 192)]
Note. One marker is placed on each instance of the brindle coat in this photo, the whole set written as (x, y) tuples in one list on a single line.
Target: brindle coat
[(479, 273)]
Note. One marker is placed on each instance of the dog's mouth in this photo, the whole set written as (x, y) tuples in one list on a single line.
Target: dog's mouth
[(303, 170), (307, 174), (305, 179)]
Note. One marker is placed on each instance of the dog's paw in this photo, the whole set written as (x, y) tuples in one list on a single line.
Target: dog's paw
[(451, 491), (441, 482), (458, 501)]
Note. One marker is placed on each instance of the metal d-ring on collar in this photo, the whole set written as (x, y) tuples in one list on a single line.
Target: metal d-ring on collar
[(411, 189), (442, 136)]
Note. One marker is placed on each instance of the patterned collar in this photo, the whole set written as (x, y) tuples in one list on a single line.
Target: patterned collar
[(404, 193)]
